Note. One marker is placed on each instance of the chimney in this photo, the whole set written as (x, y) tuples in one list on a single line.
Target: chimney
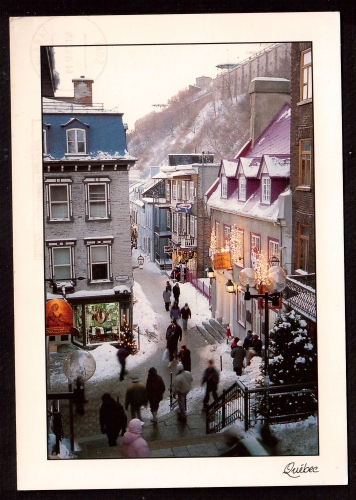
[(83, 91), (267, 96)]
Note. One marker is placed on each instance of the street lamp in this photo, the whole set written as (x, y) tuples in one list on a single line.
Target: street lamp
[(210, 273), (230, 287), (140, 261)]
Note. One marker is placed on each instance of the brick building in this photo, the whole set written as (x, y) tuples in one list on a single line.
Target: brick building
[(86, 215)]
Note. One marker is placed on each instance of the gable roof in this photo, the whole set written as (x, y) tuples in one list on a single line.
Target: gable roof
[(276, 165)]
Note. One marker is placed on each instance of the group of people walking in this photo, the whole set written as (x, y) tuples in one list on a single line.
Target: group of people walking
[(243, 352), (175, 311)]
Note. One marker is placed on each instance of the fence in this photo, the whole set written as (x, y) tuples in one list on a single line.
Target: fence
[(249, 405), (191, 277)]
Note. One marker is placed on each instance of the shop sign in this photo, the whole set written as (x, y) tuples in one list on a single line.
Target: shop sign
[(122, 277), (59, 317), (184, 207), (168, 249), (222, 260)]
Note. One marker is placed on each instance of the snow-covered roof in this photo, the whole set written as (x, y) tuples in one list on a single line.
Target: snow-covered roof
[(229, 167), (94, 156), (249, 167), (277, 166), (59, 106)]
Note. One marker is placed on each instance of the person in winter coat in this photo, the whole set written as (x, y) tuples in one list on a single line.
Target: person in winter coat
[(181, 386), (176, 292), (255, 349), (247, 342), (136, 396), (185, 359), (167, 294), (238, 354), (133, 445), (175, 311), (112, 418), (155, 389), (185, 313), (211, 378), (169, 286), (122, 354), (234, 342), (173, 335)]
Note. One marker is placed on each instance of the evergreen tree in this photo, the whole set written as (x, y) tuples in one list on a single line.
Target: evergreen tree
[(294, 354)]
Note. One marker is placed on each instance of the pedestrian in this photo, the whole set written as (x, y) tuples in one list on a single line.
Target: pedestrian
[(167, 294), (112, 418), (185, 359), (122, 354), (238, 355), (155, 389), (234, 342), (181, 386), (173, 335), (136, 396), (247, 342), (176, 292), (177, 275), (211, 378), (175, 311), (185, 313), (133, 445), (255, 349), (169, 286)]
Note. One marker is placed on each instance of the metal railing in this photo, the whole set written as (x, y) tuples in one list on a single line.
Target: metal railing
[(238, 402), (299, 294), (191, 277)]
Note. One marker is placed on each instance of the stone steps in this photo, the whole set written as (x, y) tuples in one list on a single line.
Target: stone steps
[(216, 336), (207, 336), (218, 327)]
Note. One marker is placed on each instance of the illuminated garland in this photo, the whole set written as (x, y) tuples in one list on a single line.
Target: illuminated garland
[(236, 245), (213, 242)]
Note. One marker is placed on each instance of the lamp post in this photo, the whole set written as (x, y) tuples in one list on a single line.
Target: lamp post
[(140, 261)]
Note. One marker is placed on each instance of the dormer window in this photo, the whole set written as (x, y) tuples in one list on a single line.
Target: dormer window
[(223, 187), (266, 190), (76, 141), (242, 188)]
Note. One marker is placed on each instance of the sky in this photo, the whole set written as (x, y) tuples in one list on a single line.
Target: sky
[(133, 78)]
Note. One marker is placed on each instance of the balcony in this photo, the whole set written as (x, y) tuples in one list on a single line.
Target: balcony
[(300, 295)]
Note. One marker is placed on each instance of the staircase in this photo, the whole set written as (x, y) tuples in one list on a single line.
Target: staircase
[(212, 331)]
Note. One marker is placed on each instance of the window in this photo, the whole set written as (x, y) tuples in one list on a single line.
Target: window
[(193, 225), (255, 247), (242, 188), (273, 249), (306, 89), (191, 191), (266, 190), (227, 231), (184, 223), (241, 307), (256, 317), (76, 141), (168, 219), (44, 141), (168, 191), (305, 163), (99, 259), (303, 247), (218, 236), (184, 196), (174, 195), (223, 187), (97, 198), (178, 190), (59, 199), (175, 223), (61, 258)]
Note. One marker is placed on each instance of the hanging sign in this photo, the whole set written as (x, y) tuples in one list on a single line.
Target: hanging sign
[(222, 260), (59, 317), (184, 207)]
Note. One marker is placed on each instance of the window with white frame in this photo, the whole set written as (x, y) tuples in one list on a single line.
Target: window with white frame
[(175, 222), (241, 307), (191, 191), (242, 188), (179, 223), (306, 80), (174, 193), (218, 235), (227, 233), (61, 258), (192, 225), (223, 187), (255, 248), (273, 249), (184, 192), (184, 223), (168, 190), (178, 190), (305, 162), (168, 218), (59, 199), (266, 190), (76, 141), (256, 317), (97, 198), (99, 259)]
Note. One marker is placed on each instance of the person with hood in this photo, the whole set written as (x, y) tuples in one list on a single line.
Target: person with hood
[(136, 396), (247, 342), (238, 355), (255, 349), (122, 354), (234, 342), (185, 359), (211, 378), (112, 418), (155, 389), (173, 335), (185, 313), (167, 294), (175, 311), (176, 292), (133, 445), (181, 386)]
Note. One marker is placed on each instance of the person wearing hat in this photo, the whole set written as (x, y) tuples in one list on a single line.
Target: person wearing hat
[(133, 445), (247, 342), (238, 355), (181, 386), (211, 378), (255, 349), (136, 396), (185, 313)]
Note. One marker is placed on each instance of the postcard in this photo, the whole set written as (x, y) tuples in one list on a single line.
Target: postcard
[(106, 104)]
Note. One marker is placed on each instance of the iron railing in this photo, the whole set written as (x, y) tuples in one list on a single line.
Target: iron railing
[(299, 294), (238, 402), (191, 277)]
